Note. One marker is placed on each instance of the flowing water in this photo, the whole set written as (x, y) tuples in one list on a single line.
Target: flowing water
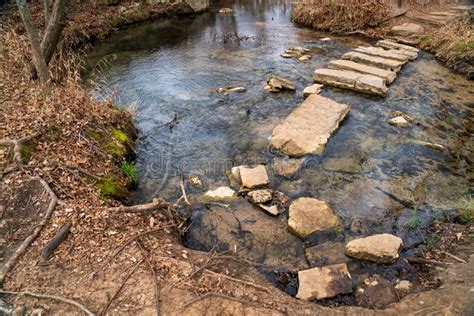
[(372, 174)]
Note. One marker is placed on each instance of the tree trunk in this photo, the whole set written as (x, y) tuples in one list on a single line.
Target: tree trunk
[(38, 57), (46, 12), (56, 24)]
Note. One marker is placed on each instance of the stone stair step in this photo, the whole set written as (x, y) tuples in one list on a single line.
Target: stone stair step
[(387, 75), (394, 45), (374, 61), (351, 80), (308, 127), (380, 52)]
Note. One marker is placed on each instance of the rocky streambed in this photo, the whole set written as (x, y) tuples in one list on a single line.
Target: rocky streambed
[(354, 202)]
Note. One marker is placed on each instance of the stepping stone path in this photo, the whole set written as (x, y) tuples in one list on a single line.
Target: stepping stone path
[(307, 129), (381, 248), (439, 18), (367, 69), (324, 282)]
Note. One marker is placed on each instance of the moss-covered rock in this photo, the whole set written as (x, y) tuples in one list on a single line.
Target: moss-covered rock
[(112, 187), (27, 150)]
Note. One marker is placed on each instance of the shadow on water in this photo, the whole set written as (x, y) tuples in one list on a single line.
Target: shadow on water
[(372, 174)]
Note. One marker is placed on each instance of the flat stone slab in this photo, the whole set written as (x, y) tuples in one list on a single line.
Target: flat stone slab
[(309, 215), (394, 45), (308, 128), (325, 254), (313, 89), (253, 177), (351, 80), (324, 282), (220, 194), (381, 248), (380, 52), (407, 29), (387, 75), (374, 61)]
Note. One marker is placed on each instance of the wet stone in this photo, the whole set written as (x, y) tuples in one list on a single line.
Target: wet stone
[(351, 80), (387, 44), (287, 167), (220, 194), (407, 29), (309, 215), (313, 89), (260, 196), (325, 254), (387, 75), (272, 209), (307, 129), (324, 282), (375, 292), (374, 61), (398, 121), (381, 248), (253, 177), (380, 52), (277, 84), (344, 164), (304, 58)]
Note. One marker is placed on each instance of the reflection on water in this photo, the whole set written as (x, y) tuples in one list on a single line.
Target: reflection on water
[(170, 68)]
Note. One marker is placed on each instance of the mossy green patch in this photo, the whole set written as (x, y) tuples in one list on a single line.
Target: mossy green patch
[(112, 187), (120, 136), (426, 40), (27, 150), (464, 47), (130, 170)]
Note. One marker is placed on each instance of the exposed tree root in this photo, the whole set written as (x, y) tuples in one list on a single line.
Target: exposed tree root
[(27, 242), (153, 275), (17, 144), (209, 294), (141, 208), (106, 308), (52, 297), (183, 193)]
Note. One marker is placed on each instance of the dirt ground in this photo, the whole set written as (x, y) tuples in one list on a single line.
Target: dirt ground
[(115, 262)]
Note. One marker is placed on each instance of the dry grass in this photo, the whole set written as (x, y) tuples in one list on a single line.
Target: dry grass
[(340, 15), (453, 44)]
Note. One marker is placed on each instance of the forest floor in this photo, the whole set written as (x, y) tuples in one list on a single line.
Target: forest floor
[(113, 260)]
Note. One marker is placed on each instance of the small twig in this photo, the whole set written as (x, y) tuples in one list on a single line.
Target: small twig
[(153, 275), (52, 297), (454, 257), (60, 236), (209, 294), (141, 208), (183, 191), (106, 308), (128, 242), (17, 144), (27, 242)]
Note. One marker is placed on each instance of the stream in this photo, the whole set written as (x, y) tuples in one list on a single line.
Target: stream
[(373, 175)]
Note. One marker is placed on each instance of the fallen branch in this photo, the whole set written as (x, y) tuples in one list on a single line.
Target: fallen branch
[(183, 192), (52, 297), (153, 275), (454, 257), (141, 208), (27, 242), (17, 144), (209, 294), (425, 261), (106, 308), (128, 242), (55, 241)]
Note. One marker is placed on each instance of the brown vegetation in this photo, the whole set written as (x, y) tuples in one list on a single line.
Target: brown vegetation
[(340, 16)]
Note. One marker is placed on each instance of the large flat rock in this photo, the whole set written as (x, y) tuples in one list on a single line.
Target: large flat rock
[(351, 80), (407, 29), (390, 54), (309, 215), (374, 61), (324, 282), (379, 248), (253, 177), (387, 75), (394, 45), (308, 128)]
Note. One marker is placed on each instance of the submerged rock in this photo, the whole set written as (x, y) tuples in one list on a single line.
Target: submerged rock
[(309, 215), (376, 292), (381, 248), (287, 167), (324, 282), (277, 84), (195, 181), (398, 121), (260, 196), (253, 177), (407, 29), (304, 58), (272, 209), (434, 146), (325, 254), (308, 127), (295, 52), (313, 89), (220, 194)]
